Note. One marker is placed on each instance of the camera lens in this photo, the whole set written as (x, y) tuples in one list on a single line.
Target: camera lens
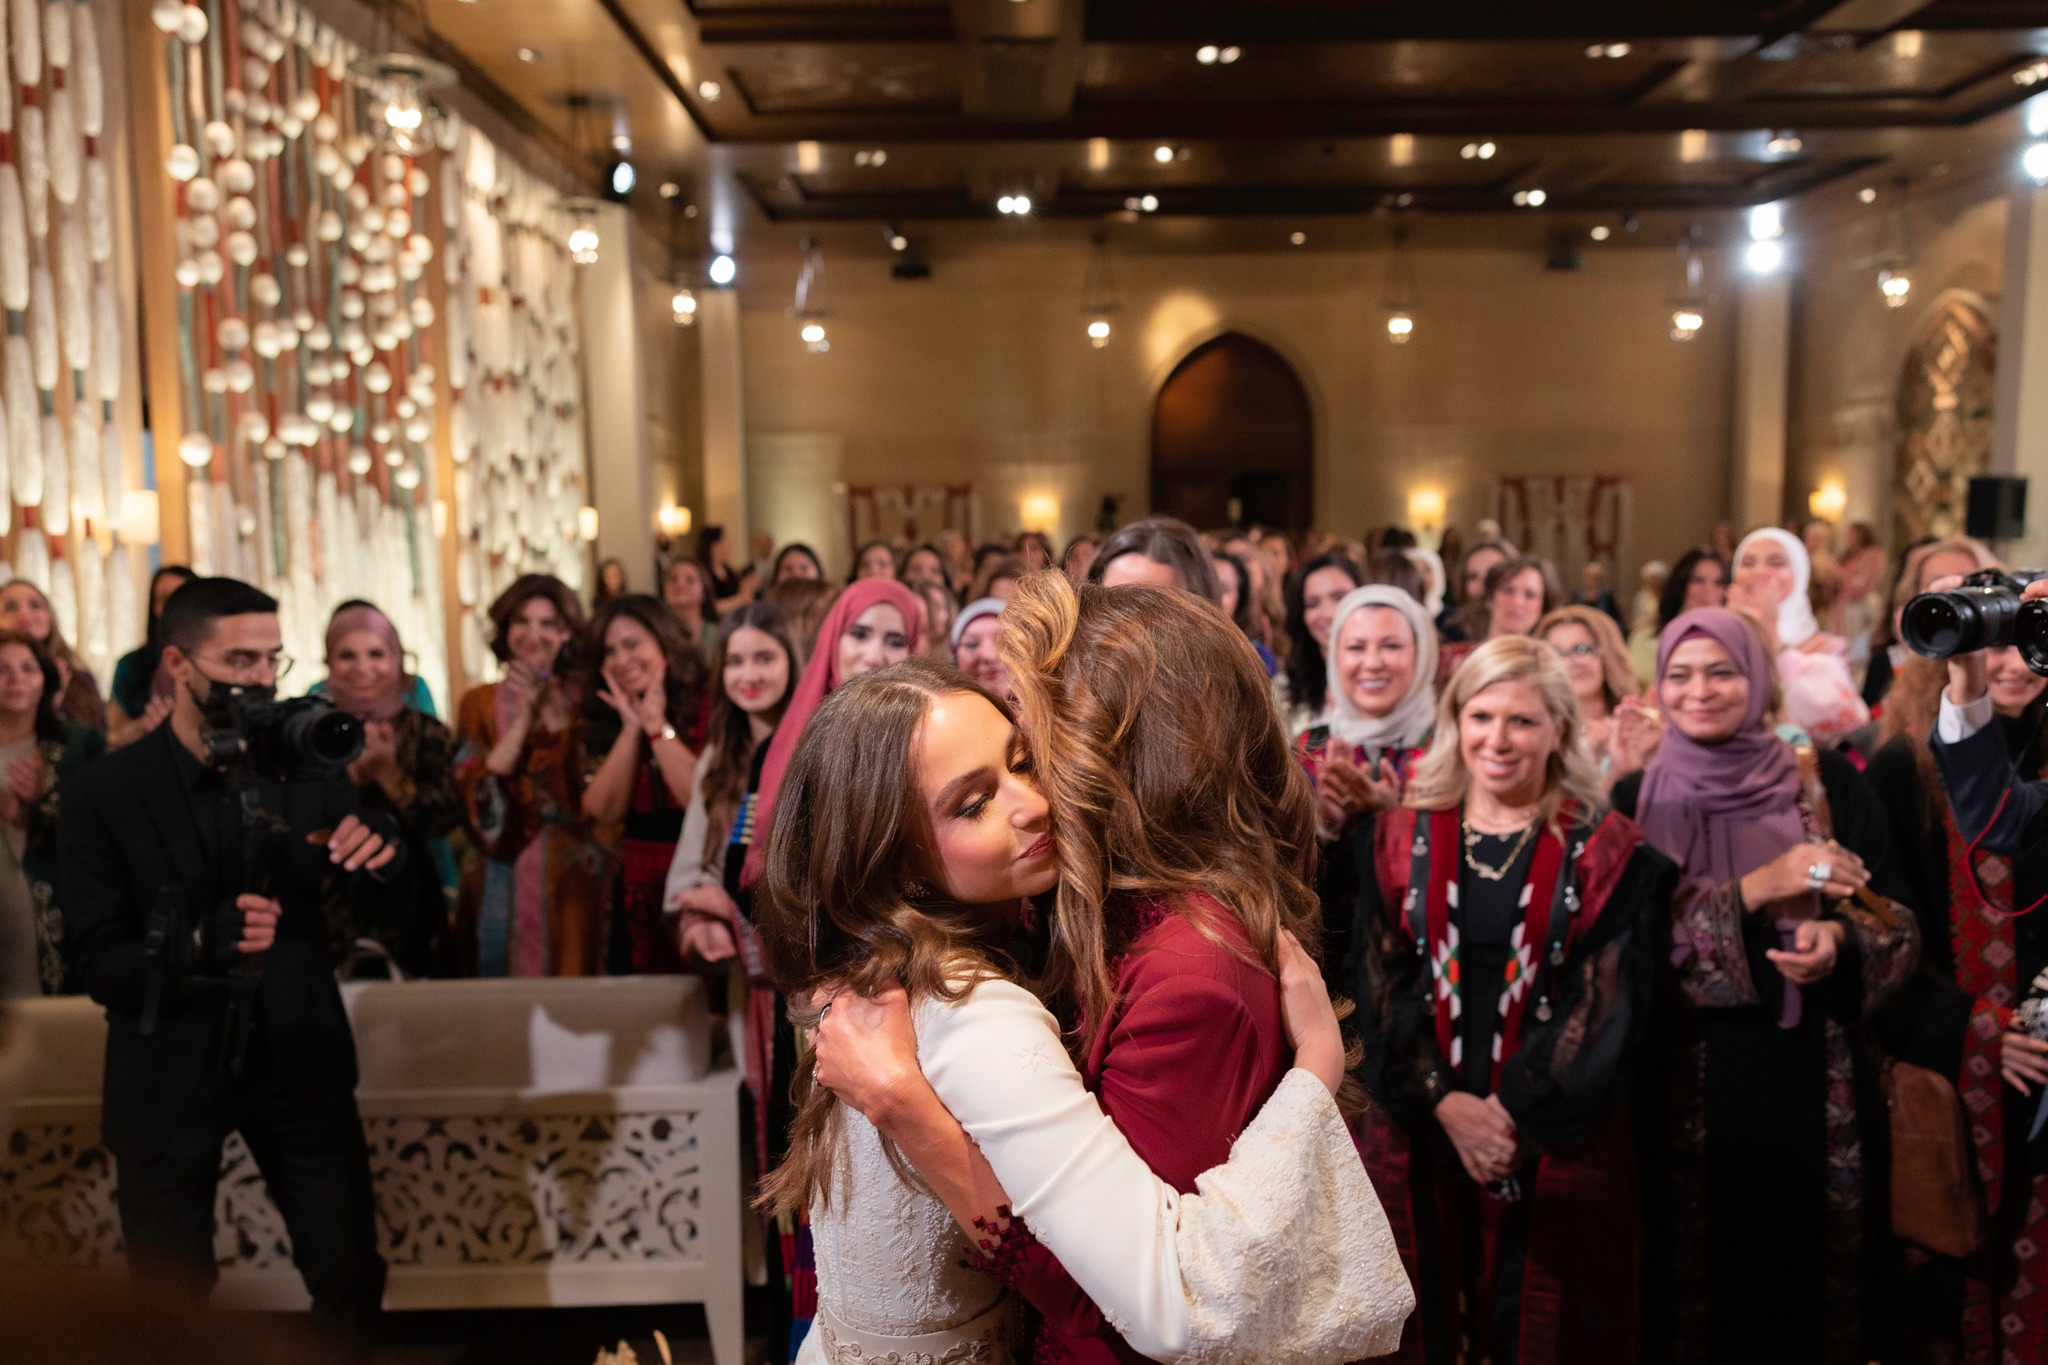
[(334, 737), (1939, 624), (2030, 635)]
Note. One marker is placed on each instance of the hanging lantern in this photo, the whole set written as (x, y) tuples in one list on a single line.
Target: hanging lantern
[(1688, 315), (399, 84), (810, 282), (1400, 296), (684, 306)]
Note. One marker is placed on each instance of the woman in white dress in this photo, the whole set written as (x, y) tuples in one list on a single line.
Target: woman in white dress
[(909, 841)]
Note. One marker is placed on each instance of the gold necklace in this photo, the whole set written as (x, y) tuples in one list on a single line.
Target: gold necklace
[(1494, 874)]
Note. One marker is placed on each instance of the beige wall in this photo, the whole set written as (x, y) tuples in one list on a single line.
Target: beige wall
[(1848, 347), (983, 374)]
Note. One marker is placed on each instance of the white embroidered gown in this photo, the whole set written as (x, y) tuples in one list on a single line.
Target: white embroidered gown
[(1282, 1255)]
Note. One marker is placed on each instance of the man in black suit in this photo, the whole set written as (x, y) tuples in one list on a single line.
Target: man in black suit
[(152, 837)]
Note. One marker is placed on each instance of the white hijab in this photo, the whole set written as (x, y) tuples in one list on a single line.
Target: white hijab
[(1433, 578), (1405, 725), (1795, 614)]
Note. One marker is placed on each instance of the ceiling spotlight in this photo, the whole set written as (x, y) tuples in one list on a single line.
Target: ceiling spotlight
[(1207, 54), (683, 306), (622, 143), (1098, 333), (2034, 161), (1895, 285), (1764, 257), (670, 189), (1530, 199), (1613, 50), (2031, 75), (813, 335), (1784, 143), (1162, 154), (1016, 205), (893, 235), (1399, 328), (1229, 55), (1867, 195), (621, 179), (1599, 233), (709, 91), (527, 54), (1766, 221), (1686, 324), (1298, 238), (877, 157), (722, 270), (1477, 151)]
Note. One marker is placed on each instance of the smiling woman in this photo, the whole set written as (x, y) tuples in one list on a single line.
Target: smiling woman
[(1503, 962)]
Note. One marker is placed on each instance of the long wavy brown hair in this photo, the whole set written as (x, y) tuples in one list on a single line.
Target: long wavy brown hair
[(1168, 774), (729, 748), (1913, 700), (849, 849)]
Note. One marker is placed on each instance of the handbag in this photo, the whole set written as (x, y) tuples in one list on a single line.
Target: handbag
[(1936, 1201)]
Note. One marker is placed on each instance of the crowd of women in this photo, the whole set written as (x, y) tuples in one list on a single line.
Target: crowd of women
[(1649, 911)]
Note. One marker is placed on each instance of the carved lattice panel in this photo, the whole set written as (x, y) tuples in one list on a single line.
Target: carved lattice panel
[(1944, 410)]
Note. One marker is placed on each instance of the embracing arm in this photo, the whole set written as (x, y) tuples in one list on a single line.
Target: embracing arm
[(1284, 1251)]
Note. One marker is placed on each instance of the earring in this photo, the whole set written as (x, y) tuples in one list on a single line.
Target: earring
[(914, 890)]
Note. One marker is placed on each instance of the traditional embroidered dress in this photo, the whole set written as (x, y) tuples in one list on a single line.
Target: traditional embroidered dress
[(535, 902), (1347, 861), (1951, 1018), (1532, 986)]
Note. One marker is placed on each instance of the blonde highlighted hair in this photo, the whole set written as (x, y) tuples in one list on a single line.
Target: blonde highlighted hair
[(1441, 780)]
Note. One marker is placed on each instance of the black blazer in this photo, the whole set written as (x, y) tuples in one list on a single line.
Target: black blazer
[(126, 830)]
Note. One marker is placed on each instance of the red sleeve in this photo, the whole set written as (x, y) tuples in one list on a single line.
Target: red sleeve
[(1183, 1070)]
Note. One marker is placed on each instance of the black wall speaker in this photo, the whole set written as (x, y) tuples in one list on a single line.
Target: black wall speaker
[(1997, 508)]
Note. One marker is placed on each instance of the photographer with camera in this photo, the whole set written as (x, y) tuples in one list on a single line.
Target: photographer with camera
[(1984, 878), (191, 867)]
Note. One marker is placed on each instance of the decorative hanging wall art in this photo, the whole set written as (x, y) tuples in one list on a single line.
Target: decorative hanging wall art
[(62, 465), (319, 380)]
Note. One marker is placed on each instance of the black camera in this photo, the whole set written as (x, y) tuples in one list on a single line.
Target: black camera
[(249, 732), (1984, 613)]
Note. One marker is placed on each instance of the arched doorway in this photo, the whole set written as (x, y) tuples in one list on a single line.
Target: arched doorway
[(1233, 440), (1944, 413)]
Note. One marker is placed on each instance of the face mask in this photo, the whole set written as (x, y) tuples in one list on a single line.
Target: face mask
[(219, 709)]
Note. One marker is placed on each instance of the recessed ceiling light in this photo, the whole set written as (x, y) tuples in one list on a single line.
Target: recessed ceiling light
[(1530, 199), (1868, 194), (709, 91), (1207, 54), (1229, 55), (1599, 233), (1162, 154), (1613, 50), (1480, 151), (872, 158), (527, 54), (1784, 143), (670, 189), (1298, 238)]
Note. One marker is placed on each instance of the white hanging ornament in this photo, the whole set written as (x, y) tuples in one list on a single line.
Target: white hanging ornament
[(57, 35), (66, 150), (106, 343), (199, 526), (35, 170), (88, 492), (94, 639), (42, 327), (99, 214), (167, 15), (74, 294), (28, 42), (14, 256), (64, 596), (113, 476), (32, 557), (56, 489), (124, 619), (24, 439), (86, 74), (195, 448)]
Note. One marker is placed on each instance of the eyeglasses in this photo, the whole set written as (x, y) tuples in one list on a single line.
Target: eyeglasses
[(240, 661), (1571, 651)]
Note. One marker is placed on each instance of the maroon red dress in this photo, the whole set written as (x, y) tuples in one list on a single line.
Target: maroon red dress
[(1193, 1050)]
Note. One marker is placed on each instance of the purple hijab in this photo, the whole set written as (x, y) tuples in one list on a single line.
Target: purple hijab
[(1722, 810)]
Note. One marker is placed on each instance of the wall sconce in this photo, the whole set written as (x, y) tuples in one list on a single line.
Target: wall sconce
[(1829, 501), (1039, 511), (674, 521), (139, 517), (1426, 509), (586, 522)]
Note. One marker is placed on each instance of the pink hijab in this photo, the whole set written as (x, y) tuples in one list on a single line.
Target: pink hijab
[(821, 676), (380, 703)]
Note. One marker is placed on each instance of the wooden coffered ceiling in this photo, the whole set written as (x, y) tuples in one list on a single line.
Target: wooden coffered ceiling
[(774, 111)]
